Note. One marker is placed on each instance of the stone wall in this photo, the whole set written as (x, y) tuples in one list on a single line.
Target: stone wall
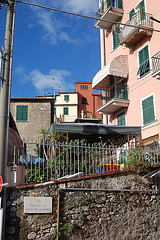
[(39, 115), (131, 213)]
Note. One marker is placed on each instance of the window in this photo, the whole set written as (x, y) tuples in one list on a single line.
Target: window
[(148, 110), (54, 111), (131, 14), (138, 12), (115, 35), (114, 3), (66, 97), (144, 63), (121, 119), (22, 113), (65, 110), (84, 101), (84, 87)]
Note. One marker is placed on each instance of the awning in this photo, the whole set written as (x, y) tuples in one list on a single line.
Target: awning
[(117, 67), (91, 131), (14, 139)]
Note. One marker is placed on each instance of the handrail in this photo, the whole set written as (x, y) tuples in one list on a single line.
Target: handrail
[(139, 18)]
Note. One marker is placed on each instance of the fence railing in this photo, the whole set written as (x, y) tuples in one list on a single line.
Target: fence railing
[(138, 19), (156, 62), (40, 162)]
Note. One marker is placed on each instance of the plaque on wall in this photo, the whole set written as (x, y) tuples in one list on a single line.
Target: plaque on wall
[(38, 205)]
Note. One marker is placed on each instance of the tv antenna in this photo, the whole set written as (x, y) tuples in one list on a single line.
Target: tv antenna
[(53, 85)]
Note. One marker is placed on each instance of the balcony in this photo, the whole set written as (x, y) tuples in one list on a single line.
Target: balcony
[(116, 97), (111, 11), (129, 36), (117, 67), (156, 65)]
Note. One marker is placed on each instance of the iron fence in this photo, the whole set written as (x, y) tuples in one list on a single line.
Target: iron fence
[(42, 162), (156, 62)]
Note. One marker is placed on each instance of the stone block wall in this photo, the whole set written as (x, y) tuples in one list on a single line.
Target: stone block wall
[(107, 214)]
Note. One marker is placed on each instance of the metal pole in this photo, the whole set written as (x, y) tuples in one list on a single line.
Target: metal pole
[(4, 103)]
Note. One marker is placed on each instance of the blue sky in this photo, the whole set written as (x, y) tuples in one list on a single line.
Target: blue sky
[(51, 44)]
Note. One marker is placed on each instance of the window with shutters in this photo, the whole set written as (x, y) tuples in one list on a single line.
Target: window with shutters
[(138, 13), (84, 101), (65, 110), (66, 97), (114, 3), (144, 62), (22, 113), (121, 119), (148, 110), (115, 35), (84, 87)]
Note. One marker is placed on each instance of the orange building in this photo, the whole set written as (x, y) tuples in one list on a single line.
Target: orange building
[(88, 101)]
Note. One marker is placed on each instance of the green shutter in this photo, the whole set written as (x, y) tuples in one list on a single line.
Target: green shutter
[(144, 63), (54, 111), (121, 119), (120, 4), (108, 3), (142, 9), (84, 101), (148, 110), (65, 111), (116, 36), (22, 113), (131, 14), (66, 97)]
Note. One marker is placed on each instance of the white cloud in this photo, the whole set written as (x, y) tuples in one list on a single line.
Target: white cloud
[(44, 82), (80, 6), (56, 27)]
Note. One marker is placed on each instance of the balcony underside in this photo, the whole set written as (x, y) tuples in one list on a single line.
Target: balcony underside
[(111, 14), (113, 105), (135, 35)]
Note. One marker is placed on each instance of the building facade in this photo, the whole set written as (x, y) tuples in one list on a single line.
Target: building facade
[(130, 65), (88, 102), (31, 115), (66, 105)]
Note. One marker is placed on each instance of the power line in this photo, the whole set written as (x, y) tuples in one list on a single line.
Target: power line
[(85, 16)]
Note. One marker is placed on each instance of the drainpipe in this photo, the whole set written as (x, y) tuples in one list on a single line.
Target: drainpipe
[(58, 213)]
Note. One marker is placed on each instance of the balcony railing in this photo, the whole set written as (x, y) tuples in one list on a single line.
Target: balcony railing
[(116, 91), (127, 33), (156, 64)]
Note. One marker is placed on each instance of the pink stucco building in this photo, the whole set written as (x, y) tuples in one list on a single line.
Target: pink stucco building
[(130, 65)]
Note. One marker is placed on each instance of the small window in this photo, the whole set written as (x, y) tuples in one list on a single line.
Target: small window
[(148, 110), (66, 97), (22, 113), (115, 35), (121, 119), (84, 101), (54, 111), (84, 87), (65, 110), (114, 3), (144, 63)]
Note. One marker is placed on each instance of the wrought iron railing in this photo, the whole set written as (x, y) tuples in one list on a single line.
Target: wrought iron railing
[(156, 63), (138, 19), (116, 91), (68, 159)]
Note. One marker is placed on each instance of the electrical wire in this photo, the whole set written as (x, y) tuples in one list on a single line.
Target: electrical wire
[(85, 16)]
